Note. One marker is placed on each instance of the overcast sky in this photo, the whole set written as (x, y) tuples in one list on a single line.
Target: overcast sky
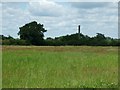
[(61, 18)]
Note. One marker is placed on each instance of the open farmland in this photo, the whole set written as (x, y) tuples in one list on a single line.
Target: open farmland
[(59, 66)]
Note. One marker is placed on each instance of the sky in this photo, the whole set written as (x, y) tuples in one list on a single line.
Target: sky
[(61, 18)]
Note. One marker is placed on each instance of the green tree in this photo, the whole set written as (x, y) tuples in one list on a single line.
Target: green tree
[(100, 36), (32, 33), (99, 40)]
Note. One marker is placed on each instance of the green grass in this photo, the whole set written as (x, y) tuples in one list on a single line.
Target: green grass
[(61, 67), (0, 67)]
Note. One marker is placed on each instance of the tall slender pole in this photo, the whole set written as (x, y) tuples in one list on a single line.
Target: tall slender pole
[(79, 31)]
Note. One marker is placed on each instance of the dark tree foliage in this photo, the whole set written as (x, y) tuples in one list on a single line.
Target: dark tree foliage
[(4, 37), (98, 40), (33, 33), (74, 39)]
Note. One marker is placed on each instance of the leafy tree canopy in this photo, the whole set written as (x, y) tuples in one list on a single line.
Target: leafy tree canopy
[(33, 33)]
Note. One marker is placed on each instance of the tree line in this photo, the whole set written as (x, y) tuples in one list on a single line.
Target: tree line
[(33, 34)]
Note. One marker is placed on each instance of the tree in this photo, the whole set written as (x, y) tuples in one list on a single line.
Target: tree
[(98, 40), (32, 33), (100, 36)]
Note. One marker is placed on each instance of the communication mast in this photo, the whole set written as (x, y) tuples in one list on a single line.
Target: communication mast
[(79, 31)]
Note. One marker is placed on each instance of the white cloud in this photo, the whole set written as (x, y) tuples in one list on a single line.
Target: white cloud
[(90, 0), (46, 8), (60, 18), (0, 18), (61, 0), (12, 19)]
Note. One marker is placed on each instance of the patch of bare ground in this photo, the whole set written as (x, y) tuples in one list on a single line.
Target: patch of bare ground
[(91, 49)]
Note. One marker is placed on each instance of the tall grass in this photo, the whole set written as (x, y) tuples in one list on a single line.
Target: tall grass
[(69, 67), (0, 67)]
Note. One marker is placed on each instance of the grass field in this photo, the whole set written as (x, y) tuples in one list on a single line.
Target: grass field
[(61, 67), (0, 67)]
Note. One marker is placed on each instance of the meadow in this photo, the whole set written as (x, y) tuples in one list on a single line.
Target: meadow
[(59, 67)]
